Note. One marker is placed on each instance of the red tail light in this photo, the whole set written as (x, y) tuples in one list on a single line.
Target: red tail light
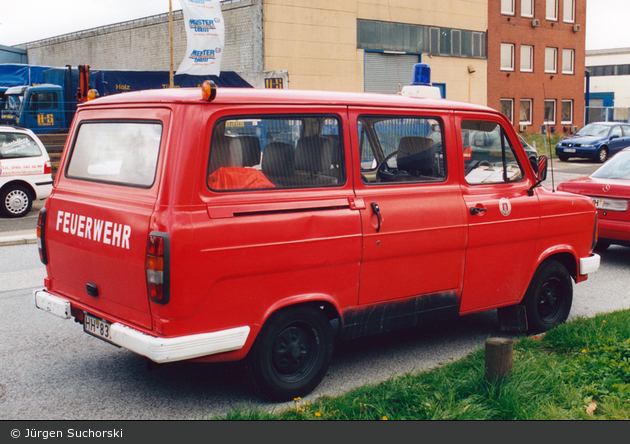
[(157, 266), (47, 167), (467, 153), (41, 236)]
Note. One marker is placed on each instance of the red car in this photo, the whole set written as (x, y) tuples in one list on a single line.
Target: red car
[(609, 187)]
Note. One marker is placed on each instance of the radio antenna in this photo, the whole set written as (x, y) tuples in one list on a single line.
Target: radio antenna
[(545, 132)]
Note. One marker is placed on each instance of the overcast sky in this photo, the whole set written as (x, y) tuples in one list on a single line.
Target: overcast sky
[(607, 21)]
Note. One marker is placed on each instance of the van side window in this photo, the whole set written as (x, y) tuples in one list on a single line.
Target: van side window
[(401, 149), (488, 154), (276, 152)]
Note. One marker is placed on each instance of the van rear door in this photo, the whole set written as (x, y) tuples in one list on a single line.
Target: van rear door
[(97, 221)]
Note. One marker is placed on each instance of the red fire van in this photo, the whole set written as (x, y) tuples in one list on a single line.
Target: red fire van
[(238, 225)]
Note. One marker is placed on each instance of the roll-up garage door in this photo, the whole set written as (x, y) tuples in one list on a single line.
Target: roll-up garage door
[(384, 73)]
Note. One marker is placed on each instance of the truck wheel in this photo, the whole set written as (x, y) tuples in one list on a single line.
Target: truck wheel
[(291, 354), (548, 298), (16, 201)]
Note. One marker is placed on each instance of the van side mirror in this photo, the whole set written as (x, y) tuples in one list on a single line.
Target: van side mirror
[(542, 168)]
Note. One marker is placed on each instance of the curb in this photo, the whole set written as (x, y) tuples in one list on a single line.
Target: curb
[(20, 239)]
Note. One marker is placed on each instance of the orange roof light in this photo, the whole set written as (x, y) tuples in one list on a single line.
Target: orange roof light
[(92, 94), (208, 90)]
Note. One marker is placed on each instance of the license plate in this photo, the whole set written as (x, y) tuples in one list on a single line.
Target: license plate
[(598, 202), (97, 327), (569, 150)]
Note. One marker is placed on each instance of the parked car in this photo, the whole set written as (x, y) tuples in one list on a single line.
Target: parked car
[(609, 187), (532, 154), (25, 171), (597, 141)]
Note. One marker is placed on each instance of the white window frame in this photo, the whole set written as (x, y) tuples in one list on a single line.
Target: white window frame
[(552, 4), (529, 117), (527, 53), (548, 53), (570, 54), (569, 5), (510, 116), (507, 7), (525, 11), (550, 122), (507, 47), (570, 121)]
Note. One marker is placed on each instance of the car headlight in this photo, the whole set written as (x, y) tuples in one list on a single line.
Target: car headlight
[(588, 146), (604, 203)]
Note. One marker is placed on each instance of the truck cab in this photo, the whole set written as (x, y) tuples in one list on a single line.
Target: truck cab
[(38, 108)]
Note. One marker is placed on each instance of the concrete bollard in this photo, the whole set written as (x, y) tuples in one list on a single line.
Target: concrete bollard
[(499, 358)]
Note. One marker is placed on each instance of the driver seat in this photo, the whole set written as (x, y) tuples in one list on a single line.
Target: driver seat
[(416, 154)]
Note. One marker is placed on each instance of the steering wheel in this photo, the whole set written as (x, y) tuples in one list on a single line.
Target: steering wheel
[(383, 173)]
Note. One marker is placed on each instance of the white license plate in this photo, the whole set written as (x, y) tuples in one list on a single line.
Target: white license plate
[(569, 150), (598, 202), (97, 327)]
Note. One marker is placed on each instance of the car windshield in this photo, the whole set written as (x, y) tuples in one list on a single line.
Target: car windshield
[(593, 129), (618, 167)]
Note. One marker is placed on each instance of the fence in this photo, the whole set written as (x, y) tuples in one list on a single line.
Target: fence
[(606, 114)]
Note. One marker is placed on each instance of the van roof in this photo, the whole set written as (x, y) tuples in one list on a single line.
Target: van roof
[(281, 96)]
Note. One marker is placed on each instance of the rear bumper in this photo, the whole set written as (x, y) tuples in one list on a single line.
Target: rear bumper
[(157, 349), (589, 264), (613, 229)]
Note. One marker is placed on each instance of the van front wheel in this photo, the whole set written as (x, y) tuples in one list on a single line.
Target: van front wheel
[(291, 354), (548, 298)]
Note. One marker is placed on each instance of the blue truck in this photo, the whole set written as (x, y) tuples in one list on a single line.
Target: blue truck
[(44, 99)]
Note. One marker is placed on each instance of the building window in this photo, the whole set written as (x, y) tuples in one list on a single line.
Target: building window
[(568, 15), (525, 112), (527, 58), (550, 112), (552, 10), (551, 55), (507, 7), (567, 61), (527, 8), (507, 107), (567, 112), (507, 57)]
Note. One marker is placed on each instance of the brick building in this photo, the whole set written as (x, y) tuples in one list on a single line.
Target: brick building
[(536, 53)]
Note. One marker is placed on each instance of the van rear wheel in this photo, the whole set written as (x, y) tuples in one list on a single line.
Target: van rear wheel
[(548, 298), (291, 354)]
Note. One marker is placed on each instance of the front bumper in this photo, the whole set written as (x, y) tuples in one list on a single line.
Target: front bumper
[(589, 264), (157, 349), (578, 152)]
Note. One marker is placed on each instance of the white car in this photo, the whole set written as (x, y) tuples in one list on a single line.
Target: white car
[(25, 171)]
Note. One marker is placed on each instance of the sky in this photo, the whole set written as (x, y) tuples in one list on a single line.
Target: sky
[(607, 21)]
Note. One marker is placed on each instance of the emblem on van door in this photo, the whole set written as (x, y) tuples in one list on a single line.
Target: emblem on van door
[(505, 206)]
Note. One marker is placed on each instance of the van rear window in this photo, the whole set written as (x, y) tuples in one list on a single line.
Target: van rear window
[(123, 153), (276, 152)]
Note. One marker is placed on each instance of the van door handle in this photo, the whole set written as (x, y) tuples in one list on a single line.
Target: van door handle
[(377, 211), (477, 210)]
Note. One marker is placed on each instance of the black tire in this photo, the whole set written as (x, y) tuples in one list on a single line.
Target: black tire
[(548, 298), (291, 354), (601, 246), (16, 201), (563, 158), (602, 154)]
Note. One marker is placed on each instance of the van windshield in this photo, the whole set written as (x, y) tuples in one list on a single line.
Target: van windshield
[(123, 153)]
